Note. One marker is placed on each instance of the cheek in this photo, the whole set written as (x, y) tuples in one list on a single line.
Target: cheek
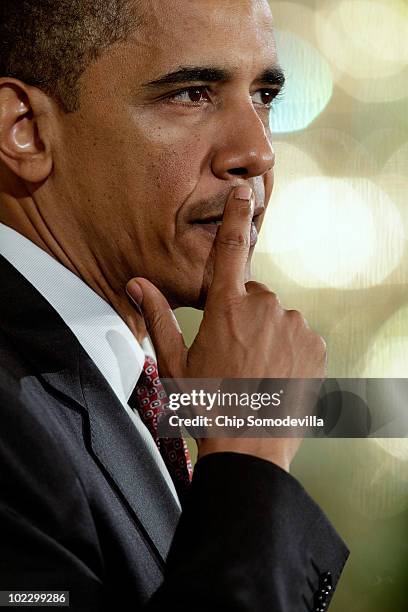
[(146, 169), (171, 152), (167, 177)]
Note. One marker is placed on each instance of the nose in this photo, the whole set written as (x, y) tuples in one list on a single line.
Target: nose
[(244, 148)]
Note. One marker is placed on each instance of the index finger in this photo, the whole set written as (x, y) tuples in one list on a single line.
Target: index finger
[(232, 242)]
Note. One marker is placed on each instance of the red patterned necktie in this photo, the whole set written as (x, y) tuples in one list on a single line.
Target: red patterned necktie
[(149, 398)]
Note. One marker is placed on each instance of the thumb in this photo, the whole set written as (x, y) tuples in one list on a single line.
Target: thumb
[(161, 324)]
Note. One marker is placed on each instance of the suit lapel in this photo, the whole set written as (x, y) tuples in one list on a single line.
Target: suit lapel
[(55, 355), (122, 452)]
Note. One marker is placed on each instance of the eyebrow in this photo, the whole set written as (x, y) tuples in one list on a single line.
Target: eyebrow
[(212, 74)]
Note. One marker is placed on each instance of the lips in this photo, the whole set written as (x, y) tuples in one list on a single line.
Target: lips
[(206, 215), (211, 225), (217, 219)]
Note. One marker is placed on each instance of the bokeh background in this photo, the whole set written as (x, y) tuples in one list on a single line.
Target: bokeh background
[(334, 246)]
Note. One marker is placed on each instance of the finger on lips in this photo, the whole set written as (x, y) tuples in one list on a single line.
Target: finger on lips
[(232, 242)]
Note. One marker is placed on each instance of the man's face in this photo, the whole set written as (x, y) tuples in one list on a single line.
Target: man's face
[(148, 161)]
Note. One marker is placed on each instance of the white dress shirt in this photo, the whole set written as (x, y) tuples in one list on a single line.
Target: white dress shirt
[(99, 329)]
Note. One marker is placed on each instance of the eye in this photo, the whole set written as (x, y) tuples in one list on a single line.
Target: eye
[(191, 95), (265, 97)]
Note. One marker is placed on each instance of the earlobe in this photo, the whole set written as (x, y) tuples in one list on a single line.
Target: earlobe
[(23, 148)]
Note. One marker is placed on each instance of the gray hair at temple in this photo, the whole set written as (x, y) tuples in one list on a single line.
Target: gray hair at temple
[(49, 43)]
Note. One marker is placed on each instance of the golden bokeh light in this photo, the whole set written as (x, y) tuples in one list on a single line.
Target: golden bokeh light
[(309, 234), (364, 38), (337, 153), (366, 44), (398, 162), (377, 487), (383, 144), (376, 90), (396, 447), (396, 185), (387, 356)]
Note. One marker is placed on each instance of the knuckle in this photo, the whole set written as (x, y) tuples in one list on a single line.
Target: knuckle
[(295, 315), (271, 300), (291, 312), (255, 286), (233, 241)]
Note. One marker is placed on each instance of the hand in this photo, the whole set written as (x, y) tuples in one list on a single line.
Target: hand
[(245, 333)]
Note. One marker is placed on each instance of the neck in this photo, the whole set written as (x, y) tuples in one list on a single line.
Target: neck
[(23, 215)]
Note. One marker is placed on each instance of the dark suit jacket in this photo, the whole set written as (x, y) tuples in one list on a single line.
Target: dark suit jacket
[(83, 507)]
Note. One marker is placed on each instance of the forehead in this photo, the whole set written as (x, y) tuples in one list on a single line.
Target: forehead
[(236, 32), (236, 35)]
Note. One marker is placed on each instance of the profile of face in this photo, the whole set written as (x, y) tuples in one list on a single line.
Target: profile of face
[(168, 122)]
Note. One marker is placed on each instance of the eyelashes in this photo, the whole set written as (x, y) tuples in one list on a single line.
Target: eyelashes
[(196, 96), (192, 92)]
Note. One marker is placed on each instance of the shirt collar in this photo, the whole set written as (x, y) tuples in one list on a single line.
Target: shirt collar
[(99, 329)]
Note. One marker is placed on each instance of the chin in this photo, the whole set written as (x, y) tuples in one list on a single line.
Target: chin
[(189, 300), (195, 296), (191, 296)]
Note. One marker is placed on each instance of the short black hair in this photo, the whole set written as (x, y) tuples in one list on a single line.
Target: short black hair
[(49, 43)]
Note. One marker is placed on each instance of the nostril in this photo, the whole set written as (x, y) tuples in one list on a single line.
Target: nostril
[(238, 171)]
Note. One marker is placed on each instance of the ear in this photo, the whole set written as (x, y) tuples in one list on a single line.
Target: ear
[(25, 147)]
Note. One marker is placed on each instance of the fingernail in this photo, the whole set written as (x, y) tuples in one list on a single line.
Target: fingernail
[(243, 192), (135, 292)]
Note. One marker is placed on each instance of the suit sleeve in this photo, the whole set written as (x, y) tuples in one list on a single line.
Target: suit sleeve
[(251, 539)]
